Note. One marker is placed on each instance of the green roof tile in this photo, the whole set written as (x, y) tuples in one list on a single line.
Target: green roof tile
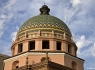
[(44, 21)]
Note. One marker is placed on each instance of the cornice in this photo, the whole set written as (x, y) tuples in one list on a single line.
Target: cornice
[(74, 58), (43, 53), (38, 38)]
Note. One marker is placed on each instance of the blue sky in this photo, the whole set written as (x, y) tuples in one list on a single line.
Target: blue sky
[(79, 15)]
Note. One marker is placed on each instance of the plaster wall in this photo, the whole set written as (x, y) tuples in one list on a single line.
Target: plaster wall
[(38, 45), (64, 46), (25, 46), (73, 51), (35, 57), (52, 45), (68, 62), (16, 49), (8, 66), (57, 58)]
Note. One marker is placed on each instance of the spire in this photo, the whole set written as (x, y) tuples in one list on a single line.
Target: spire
[(44, 10)]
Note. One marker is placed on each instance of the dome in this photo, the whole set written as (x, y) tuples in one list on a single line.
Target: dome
[(45, 22), (43, 33)]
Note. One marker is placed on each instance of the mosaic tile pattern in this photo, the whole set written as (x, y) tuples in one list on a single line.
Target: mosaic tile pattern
[(44, 21)]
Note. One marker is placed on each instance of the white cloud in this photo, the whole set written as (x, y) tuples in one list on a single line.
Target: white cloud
[(93, 50), (85, 54), (9, 4), (81, 42), (86, 45), (75, 2), (69, 13), (13, 34), (5, 18), (68, 10), (2, 24)]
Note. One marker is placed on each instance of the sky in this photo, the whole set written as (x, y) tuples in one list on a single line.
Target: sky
[(79, 16)]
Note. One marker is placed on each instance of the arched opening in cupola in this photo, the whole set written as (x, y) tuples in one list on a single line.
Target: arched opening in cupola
[(20, 48), (32, 45), (58, 45), (45, 44)]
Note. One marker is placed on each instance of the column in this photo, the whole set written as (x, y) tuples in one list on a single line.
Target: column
[(73, 50), (25, 46), (38, 45), (64, 46), (52, 45)]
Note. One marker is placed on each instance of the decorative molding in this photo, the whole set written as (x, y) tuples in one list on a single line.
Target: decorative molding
[(35, 53), (74, 58), (43, 29)]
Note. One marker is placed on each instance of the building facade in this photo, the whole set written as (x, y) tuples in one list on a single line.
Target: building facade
[(3, 57), (44, 42)]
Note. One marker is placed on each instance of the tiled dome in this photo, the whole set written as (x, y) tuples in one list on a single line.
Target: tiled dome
[(44, 21)]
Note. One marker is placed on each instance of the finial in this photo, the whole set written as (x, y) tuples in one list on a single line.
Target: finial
[(26, 60), (44, 10), (33, 62), (26, 63), (47, 56), (64, 35)]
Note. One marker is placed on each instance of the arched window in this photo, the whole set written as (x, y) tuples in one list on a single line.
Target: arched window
[(20, 47), (45, 44), (58, 45), (32, 45), (74, 65), (15, 65)]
